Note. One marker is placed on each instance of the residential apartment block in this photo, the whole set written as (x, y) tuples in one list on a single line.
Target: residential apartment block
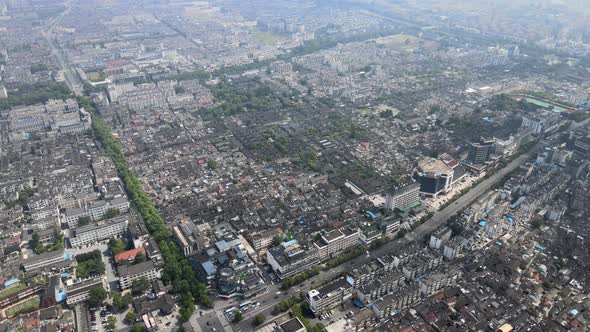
[(99, 231), (44, 260), (95, 210), (336, 241), (129, 273), (80, 292), (264, 239), (329, 296)]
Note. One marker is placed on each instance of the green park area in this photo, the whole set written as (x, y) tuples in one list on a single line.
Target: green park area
[(268, 38)]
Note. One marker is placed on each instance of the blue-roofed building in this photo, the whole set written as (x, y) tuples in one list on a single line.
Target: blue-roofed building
[(222, 246), (483, 223), (206, 271), (372, 215), (209, 268)]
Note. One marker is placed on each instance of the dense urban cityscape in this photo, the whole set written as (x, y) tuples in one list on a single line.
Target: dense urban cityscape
[(294, 165)]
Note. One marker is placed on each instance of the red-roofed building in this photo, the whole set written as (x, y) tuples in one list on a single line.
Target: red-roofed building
[(129, 255)]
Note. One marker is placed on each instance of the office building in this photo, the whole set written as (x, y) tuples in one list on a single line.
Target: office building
[(403, 197), (542, 122), (480, 152), (504, 147), (434, 176), (290, 258)]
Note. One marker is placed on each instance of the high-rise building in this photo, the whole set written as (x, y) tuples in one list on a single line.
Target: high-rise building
[(481, 152), (435, 177), (403, 197)]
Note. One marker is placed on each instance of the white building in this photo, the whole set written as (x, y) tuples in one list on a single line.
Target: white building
[(95, 210), (80, 292), (403, 198), (129, 273), (99, 231), (336, 241)]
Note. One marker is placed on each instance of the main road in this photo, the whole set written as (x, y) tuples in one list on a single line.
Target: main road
[(72, 79), (271, 297)]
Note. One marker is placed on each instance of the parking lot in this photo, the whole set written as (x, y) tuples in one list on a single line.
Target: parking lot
[(99, 320)]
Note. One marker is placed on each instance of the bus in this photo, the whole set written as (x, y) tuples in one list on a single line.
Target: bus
[(245, 305), (230, 310)]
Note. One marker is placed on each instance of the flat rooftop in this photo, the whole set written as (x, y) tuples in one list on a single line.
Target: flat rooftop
[(432, 165)]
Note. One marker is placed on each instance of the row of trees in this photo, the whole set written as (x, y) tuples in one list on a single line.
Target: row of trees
[(180, 274), (300, 277), (340, 259), (177, 270), (140, 199)]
